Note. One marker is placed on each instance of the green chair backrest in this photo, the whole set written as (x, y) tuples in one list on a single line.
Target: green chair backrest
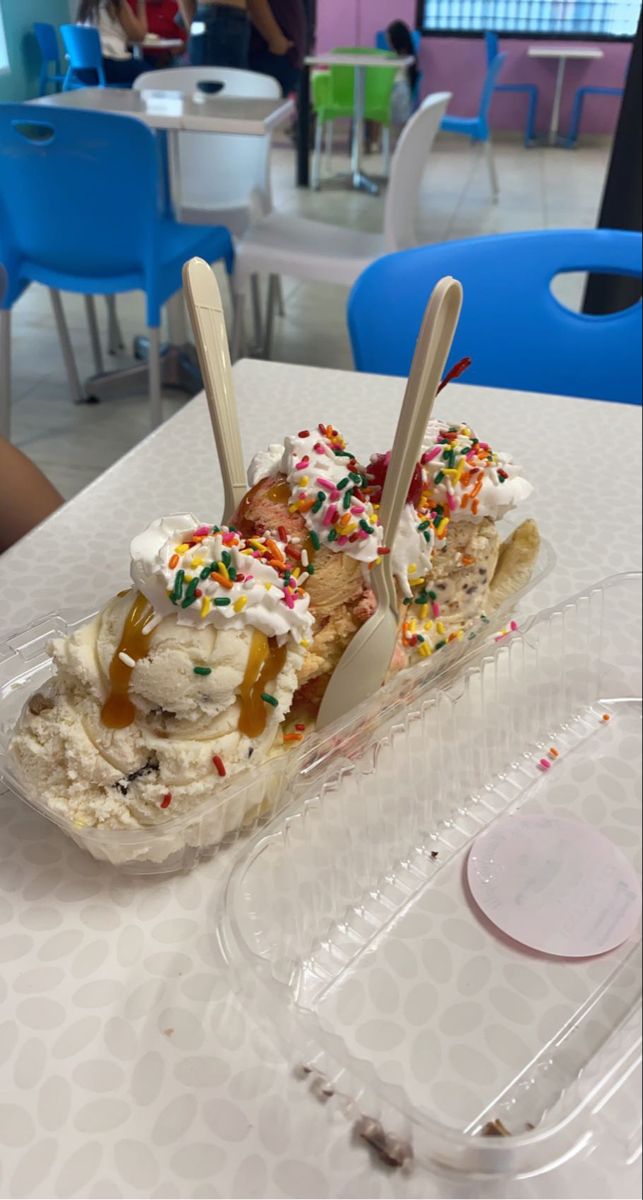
[(379, 83)]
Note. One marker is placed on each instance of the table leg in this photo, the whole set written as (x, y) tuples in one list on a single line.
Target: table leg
[(303, 129), (558, 95), (361, 182)]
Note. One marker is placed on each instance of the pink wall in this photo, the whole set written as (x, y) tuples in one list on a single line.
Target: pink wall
[(457, 65)]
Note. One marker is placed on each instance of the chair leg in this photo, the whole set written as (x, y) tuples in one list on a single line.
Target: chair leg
[(94, 335), (176, 319), (73, 377), (237, 339), (574, 124), (279, 297), (491, 167), (114, 334), (329, 144), (386, 148), (154, 362), (257, 321), (316, 173), (5, 372), (270, 316), (530, 137)]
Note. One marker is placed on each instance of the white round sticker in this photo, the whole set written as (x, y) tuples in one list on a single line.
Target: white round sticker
[(555, 885)]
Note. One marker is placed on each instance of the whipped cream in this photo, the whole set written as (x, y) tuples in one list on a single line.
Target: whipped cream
[(208, 574), (465, 479), (326, 484), (459, 478)]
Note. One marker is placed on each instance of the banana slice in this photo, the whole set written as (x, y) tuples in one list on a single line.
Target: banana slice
[(516, 562)]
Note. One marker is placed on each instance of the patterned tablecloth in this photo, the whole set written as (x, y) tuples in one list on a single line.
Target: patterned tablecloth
[(128, 1067)]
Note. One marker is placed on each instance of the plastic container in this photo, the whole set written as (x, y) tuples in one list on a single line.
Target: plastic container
[(239, 805), (350, 929)]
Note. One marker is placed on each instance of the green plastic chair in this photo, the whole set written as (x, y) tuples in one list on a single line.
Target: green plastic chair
[(333, 94)]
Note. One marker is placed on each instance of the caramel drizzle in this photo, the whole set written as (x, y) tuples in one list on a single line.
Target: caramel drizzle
[(118, 711), (265, 661)]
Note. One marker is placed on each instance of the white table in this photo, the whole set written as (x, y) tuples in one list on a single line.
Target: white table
[(127, 1065), (157, 43), (173, 111), (361, 63), (563, 53)]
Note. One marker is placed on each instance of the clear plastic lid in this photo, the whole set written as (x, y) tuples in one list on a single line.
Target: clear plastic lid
[(348, 922)]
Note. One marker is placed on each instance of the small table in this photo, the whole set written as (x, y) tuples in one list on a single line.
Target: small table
[(151, 43), (169, 113), (562, 53), (172, 111), (361, 63)]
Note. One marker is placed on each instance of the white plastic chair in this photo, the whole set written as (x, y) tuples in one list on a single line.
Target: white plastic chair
[(218, 178), (331, 254)]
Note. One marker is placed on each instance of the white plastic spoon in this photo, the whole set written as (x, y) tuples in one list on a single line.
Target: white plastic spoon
[(208, 323), (362, 668)]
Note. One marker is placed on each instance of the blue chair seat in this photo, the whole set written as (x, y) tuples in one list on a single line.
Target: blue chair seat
[(177, 243), (513, 327), (466, 125)]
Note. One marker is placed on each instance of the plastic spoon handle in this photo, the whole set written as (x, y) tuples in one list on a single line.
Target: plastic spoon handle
[(431, 353), (208, 322)]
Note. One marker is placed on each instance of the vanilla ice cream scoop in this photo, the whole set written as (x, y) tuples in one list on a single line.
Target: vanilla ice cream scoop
[(175, 685)]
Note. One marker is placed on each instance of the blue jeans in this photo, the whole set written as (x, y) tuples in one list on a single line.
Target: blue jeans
[(225, 38), (278, 66)]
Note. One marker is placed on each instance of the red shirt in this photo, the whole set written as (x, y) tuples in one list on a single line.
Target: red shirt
[(161, 18)]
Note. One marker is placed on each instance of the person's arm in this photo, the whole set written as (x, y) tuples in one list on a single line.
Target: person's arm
[(187, 9), (26, 495), (261, 16), (135, 27)]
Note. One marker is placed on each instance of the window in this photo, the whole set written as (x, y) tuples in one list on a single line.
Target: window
[(555, 18), (4, 57)]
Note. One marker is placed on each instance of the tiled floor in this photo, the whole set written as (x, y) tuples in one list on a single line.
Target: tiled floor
[(540, 189)]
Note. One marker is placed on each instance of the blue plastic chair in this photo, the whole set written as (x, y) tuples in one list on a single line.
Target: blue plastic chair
[(82, 45), (477, 127), (382, 43), (577, 109), (49, 56), (81, 210), (517, 333), (529, 89)]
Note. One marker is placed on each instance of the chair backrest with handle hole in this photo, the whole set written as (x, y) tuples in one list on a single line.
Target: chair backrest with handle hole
[(516, 331), (67, 178), (218, 176), (186, 80), (407, 169), (83, 49)]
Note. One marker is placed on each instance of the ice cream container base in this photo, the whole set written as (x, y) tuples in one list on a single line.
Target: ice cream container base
[(347, 922), (243, 802)]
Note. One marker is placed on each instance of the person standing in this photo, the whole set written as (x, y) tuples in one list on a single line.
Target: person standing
[(278, 41), (118, 27), (219, 33)]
